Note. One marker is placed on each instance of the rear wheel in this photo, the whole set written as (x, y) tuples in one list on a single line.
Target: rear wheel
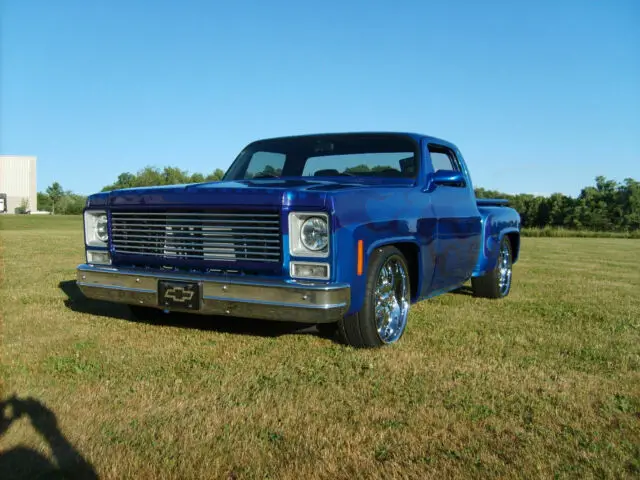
[(383, 317), (497, 282)]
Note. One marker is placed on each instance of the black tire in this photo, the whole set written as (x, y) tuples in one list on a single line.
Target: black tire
[(489, 285), (148, 314), (360, 330), (327, 330)]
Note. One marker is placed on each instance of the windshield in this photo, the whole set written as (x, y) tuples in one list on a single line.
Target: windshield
[(349, 155)]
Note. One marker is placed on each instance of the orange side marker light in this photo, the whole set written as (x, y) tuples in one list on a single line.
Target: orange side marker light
[(360, 257)]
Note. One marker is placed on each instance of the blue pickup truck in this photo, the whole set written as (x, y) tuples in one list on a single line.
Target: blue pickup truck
[(345, 230)]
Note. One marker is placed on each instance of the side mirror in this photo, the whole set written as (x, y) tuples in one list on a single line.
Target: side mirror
[(451, 178)]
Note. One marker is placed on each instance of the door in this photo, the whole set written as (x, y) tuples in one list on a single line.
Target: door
[(458, 225)]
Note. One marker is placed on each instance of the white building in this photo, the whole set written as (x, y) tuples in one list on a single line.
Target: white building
[(18, 183)]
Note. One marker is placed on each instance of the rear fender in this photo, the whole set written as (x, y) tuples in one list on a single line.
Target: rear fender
[(497, 222)]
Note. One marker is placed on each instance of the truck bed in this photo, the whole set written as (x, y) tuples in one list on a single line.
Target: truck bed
[(492, 202)]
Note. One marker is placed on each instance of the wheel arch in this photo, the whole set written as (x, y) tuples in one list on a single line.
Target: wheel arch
[(514, 240), (410, 249)]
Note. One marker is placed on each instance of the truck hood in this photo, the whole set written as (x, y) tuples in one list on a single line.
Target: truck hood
[(264, 193)]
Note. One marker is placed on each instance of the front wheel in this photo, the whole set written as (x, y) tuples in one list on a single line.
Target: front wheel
[(383, 317), (497, 282)]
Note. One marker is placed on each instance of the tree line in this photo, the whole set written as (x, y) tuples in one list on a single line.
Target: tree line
[(607, 206), (59, 201), (64, 202), (150, 177)]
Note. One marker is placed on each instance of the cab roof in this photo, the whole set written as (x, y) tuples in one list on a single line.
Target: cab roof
[(418, 137)]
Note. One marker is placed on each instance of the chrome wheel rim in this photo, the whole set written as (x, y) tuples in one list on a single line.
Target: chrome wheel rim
[(391, 300), (504, 266)]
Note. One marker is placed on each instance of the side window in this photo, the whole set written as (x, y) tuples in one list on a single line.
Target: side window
[(265, 164), (442, 160)]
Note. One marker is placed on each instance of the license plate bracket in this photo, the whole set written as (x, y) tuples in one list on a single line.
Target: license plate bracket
[(177, 294)]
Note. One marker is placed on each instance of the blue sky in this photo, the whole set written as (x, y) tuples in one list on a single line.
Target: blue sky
[(539, 96)]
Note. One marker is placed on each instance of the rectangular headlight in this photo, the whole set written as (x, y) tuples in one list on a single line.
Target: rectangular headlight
[(309, 234), (314, 271), (96, 232)]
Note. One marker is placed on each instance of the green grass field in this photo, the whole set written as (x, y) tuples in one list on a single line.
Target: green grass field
[(543, 384)]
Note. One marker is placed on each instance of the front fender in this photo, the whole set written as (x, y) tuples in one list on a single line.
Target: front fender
[(372, 239), (377, 217)]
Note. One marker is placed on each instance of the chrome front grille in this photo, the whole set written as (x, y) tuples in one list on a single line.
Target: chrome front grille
[(226, 237)]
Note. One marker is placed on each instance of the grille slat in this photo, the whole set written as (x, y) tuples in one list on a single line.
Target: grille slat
[(208, 223), (226, 237), (207, 251), (169, 229), (271, 236), (269, 244), (229, 258), (190, 214), (210, 246)]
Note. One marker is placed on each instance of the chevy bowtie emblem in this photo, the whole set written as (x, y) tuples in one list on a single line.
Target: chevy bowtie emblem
[(179, 294)]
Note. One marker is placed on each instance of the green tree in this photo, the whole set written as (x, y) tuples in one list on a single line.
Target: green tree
[(630, 199), (216, 176), (358, 169), (152, 176), (174, 176), (482, 193), (560, 208), (197, 178), (71, 204), (55, 193), (44, 202), (68, 203), (125, 180)]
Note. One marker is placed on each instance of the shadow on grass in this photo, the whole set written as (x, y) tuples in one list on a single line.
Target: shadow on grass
[(464, 290), (23, 462), (77, 302)]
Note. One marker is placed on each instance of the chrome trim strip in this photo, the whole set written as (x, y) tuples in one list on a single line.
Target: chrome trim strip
[(116, 287), (289, 305)]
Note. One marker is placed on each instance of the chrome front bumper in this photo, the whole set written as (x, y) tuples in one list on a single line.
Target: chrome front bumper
[(236, 297)]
